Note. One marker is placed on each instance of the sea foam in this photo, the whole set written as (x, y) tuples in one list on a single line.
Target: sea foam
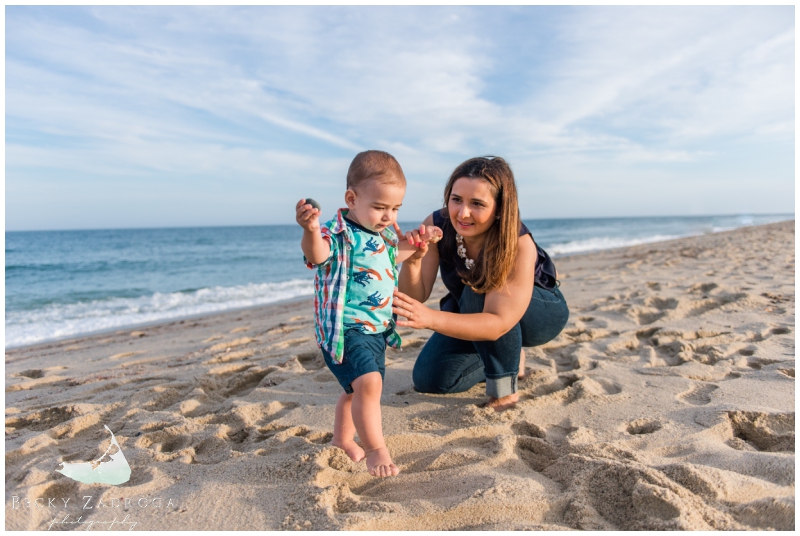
[(603, 242), (57, 321)]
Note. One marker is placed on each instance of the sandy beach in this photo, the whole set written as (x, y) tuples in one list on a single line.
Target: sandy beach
[(666, 403)]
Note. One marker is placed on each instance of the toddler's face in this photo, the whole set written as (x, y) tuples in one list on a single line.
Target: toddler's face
[(375, 204)]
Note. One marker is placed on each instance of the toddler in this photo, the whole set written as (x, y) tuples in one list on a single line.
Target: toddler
[(356, 256)]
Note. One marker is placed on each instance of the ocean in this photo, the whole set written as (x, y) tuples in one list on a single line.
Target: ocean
[(61, 284)]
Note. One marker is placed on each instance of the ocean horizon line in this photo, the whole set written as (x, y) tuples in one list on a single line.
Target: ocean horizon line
[(563, 218)]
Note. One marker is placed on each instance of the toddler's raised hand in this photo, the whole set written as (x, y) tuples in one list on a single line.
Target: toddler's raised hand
[(307, 216)]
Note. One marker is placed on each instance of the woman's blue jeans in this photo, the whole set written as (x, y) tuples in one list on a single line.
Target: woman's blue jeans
[(448, 365)]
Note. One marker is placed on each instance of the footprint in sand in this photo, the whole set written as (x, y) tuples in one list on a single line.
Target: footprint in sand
[(662, 304), (760, 362), (768, 432), (644, 317), (610, 387), (702, 288), (769, 332), (239, 384), (568, 388), (748, 350), (43, 420), (274, 411), (528, 429), (82, 425), (175, 444), (33, 373), (156, 426), (238, 436), (212, 450), (265, 432), (698, 395), (222, 387), (643, 426), (586, 335), (647, 332), (573, 357), (701, 307), (310, 436), (623, 348), (166, 445), (311, 360), (167, 395), (555, 388), (45, 381), (536, 453)]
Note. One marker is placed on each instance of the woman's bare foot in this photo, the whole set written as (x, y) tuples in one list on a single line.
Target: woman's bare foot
[(502, 404), (521, 373), (379, 463), (351, 448)]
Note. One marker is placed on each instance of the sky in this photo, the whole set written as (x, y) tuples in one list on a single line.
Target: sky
[(120, 117)]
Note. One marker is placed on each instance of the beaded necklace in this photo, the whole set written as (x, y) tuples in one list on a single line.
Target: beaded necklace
[(462, 252)]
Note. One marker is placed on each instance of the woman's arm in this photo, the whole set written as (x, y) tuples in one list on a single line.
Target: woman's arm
[(502, 308), (418, 275)]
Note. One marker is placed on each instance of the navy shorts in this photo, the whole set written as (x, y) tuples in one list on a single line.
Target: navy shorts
[(363, 353)]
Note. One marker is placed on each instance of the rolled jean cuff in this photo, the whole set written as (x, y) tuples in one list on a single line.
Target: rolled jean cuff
[(502, 386)]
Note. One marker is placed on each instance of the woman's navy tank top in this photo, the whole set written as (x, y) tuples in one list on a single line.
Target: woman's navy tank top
[(448, 268)]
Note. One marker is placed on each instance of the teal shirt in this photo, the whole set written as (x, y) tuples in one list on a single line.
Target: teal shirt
[(368, 305), (331, 283)]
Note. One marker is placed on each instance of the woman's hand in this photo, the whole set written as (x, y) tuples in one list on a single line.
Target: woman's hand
[(419, 238), (413, 245), (424, 235), (418, 315)]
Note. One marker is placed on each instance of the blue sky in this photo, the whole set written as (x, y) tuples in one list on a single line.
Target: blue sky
[(184, 116)]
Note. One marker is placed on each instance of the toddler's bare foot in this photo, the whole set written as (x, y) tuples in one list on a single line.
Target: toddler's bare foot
[(502, 404), (351, 448), (379, 463)]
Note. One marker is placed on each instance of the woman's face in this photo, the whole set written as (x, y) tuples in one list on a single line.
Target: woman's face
[(471, 206)]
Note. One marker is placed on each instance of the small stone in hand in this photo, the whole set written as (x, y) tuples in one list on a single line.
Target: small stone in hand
[(313, 203)]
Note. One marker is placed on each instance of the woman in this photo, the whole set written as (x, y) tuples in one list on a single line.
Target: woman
[(489, 262)]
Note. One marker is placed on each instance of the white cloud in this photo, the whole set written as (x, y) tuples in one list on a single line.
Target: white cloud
[(240, 93)]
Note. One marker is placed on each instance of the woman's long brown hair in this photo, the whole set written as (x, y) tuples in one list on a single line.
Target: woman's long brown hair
[(496, 260)]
